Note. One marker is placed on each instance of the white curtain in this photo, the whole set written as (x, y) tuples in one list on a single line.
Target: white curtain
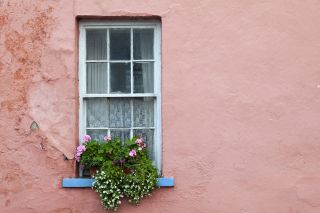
[(143, 111), (96, 44), (97, 80), (97, 112), (116, 112), (120, 112)]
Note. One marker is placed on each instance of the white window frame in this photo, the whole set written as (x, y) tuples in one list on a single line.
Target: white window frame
[(154, 24)]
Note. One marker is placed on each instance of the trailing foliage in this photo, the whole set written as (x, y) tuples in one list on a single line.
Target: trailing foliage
[(124, 169), (108, 183), (141, 181)]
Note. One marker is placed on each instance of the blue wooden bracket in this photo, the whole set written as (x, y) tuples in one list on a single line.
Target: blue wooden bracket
[(87, 182)]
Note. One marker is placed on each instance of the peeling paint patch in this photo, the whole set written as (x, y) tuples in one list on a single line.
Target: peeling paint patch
[(3, 20), (25, 48), (34, 126)]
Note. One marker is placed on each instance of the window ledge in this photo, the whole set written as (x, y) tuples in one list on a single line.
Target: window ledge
[(87, 182)]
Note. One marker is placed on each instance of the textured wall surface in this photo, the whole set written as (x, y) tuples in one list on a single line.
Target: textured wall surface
[(241, 104)]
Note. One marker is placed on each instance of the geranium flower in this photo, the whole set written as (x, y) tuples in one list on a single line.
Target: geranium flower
[(133, 153), (80, 149), (107, 138), (86, 138), (139, 141)]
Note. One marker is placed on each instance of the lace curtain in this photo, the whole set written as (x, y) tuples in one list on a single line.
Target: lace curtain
[(116, 112), (121, 115)]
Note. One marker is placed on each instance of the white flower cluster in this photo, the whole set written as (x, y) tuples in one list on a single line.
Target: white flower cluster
[(109, 190), (136, 189)]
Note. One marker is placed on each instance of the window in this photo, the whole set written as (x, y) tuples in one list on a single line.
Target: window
[(119, 82)]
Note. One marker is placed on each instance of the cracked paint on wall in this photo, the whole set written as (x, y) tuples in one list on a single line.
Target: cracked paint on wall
[(240, 102)]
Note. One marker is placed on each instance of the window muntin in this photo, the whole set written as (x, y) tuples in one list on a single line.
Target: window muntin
[(119, 73)]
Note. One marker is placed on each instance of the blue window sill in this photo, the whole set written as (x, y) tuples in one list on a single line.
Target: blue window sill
[(87, 182)]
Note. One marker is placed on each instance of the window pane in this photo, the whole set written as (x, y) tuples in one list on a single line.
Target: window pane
[(123, 135), (143, 112), (97, 134), (120, 112), (97, 112), (143, 77), (120, 78), (96, 44), (97, 78), (120, 44), (147, 135), (143, 44)]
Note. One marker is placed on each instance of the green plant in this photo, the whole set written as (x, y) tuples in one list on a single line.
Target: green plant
[(124, 169), (94, 155), (141, 181), (108, 183)]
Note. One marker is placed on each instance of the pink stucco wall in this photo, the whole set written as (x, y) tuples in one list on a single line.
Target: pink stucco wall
[(241, 104)]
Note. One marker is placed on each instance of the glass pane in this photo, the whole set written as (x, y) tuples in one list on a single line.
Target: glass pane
[(96, 44), (120, 44), (143, 112), (143, 44), (123, 135), (120, 112), (97, 134), (97, 79), (120, 78), (143, 77), (97, 112), (147, 135)]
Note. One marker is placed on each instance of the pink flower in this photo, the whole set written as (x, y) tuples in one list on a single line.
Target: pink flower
[(80, 149), (107, 138), (86, 138), (139, 141), (132, 153)]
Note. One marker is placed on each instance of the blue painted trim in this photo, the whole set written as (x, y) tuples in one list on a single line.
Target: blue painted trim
[(165, 182), (77, 182), (87, 182)]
